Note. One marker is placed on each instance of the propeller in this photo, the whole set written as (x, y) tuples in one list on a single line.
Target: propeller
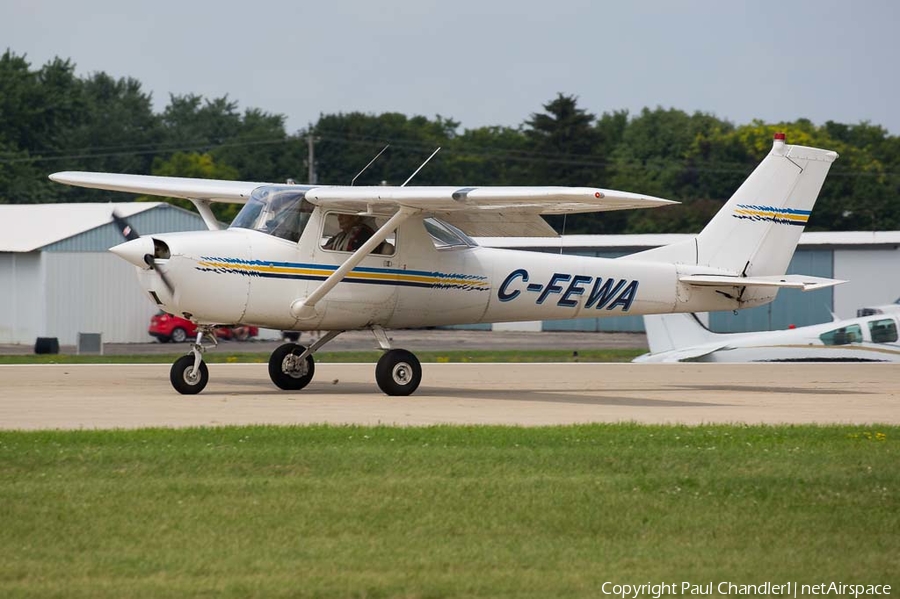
[(130, 234), (124, 228)]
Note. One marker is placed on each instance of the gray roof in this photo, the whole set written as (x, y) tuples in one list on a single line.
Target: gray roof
[(32, 227)]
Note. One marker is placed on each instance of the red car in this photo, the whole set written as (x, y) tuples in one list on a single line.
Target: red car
[(166, 327)]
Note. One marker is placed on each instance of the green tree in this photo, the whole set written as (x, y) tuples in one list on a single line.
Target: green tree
[(565, 139), (36, 108), (254, 143), (347, 142), (198, 166), (489, 156)]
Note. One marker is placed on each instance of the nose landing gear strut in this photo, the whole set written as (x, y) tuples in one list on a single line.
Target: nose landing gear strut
[(189, 373)]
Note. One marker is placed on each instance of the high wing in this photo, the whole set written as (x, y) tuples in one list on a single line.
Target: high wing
[(479, 211), (210, 190), (487, 211)]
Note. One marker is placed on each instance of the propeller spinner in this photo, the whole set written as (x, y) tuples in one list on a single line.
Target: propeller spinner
[(140, 251)]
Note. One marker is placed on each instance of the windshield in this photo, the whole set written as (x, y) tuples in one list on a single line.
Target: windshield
[(279, 211)]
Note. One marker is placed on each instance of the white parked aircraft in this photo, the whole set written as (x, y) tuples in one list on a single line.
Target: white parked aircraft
[(684, 338), (336, 258), (883, 309)]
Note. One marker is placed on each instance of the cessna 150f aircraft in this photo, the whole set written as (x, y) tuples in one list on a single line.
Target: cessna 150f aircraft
[(336, 258)]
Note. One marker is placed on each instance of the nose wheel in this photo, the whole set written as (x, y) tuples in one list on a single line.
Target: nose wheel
[(189, 373), (398, 372), (187, 379)]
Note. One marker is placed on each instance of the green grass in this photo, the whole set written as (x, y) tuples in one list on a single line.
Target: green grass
[(218, 356), (443, 511)]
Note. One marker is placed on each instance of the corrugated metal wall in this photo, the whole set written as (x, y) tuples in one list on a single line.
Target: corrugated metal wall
[(90, 290), (22, 297), (873, 279), (75, 285), (94, 292)]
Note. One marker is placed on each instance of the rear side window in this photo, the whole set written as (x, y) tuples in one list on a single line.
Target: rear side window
[(444, 235), (883, 331)]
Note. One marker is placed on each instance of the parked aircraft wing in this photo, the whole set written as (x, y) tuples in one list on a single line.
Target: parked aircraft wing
[(174, 187)]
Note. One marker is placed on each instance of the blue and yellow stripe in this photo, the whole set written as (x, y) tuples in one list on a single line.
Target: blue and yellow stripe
[(784, 216), (320, 272)]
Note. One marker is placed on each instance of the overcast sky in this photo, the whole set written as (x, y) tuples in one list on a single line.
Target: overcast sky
[(483, 62)]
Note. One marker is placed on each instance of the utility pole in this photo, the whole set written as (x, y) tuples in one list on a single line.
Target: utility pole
[(311, 157)]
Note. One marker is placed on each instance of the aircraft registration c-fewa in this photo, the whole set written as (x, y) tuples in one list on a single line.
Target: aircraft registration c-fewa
[(405, 259)]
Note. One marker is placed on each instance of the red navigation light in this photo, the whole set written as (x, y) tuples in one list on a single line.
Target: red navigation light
[(779, 136)]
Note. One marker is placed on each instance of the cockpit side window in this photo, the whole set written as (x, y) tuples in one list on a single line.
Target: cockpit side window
[(347, 232), (280, 212), (842, 336)]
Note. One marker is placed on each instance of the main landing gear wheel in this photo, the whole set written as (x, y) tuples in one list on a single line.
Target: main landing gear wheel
[(182, 379), (287, 371), (398, 372)]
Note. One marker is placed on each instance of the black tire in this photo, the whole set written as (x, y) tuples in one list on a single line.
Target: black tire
[(179, 335), (283, 376), (182, 381), (398, 372)]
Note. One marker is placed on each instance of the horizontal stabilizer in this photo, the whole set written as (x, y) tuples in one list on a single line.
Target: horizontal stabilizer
[(679, 355), (802, 282), (679, 337)]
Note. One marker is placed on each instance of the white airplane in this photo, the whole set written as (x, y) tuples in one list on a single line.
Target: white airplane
[(684, 338), (407, 261)]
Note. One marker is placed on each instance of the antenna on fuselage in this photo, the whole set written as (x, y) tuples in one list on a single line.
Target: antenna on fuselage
[(420, 167), (370, 164)]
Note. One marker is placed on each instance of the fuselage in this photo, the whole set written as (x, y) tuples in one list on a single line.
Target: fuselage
[(421, 277)]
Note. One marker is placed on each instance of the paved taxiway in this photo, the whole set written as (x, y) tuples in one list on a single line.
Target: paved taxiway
[(130, 396)]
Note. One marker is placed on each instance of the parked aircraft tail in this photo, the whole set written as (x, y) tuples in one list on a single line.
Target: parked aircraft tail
[(678, 337), (754, 235), (667, 332)]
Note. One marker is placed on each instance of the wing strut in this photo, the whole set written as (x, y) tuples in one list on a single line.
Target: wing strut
[(306, 307), (206, 214)]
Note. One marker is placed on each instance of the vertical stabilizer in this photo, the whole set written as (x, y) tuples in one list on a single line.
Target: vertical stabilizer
[(757, 230)]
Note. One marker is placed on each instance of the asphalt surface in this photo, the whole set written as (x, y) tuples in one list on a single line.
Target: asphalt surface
[(413, 340), (75, 396)]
